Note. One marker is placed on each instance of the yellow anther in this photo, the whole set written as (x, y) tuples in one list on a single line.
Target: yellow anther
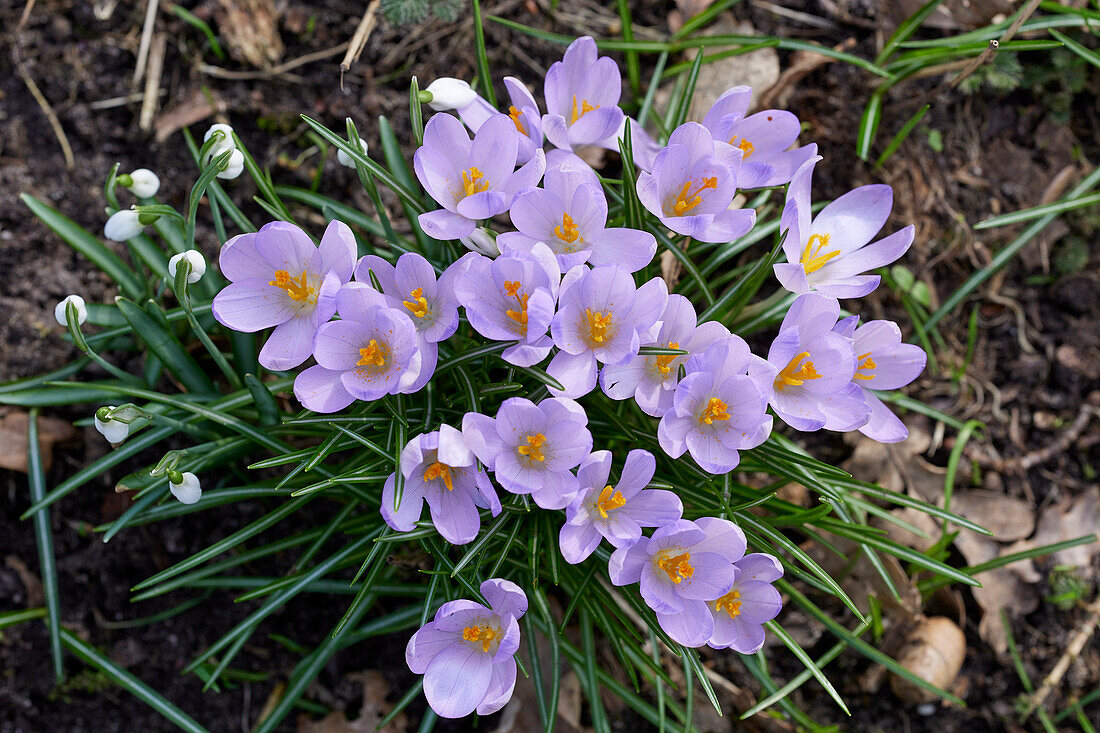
[(663, 363), (598, 325), (440, 471), (688, 199), (473, 181), (511, 289), (533, 450), (484, 634), (609, 499), (514, 114), (715, 410), (678, 567), (744, 146), (730, 603), (585, 109), (865, 362), (298, 290), (567, 232), (798, 370), (816, 254), (419, 304), (372, 355)]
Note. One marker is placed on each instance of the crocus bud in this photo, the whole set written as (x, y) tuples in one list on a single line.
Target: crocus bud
[(234, 167), (482, 241), (448, 94), (195, 259), (123, 225), (115, 431), (60, 311), (226, 143), (187, 489), (143, 183)]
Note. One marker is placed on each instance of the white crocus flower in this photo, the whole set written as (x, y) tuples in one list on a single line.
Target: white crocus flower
[(195, 259), (60, 311), (448, 93), (144, 183), (188, 490), (115, 431), (123, 225)]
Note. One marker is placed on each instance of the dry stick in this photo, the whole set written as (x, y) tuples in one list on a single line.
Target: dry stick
[(152, 81), (146, 37), (275, 70), (1076, 644), (58, 131), (987, 54), (359, 39), (26, 14), (1061, 444)]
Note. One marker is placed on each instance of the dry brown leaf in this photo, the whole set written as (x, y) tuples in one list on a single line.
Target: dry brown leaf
[(373, 709), (1069, 519), (1010, 588), (250, 29), (758, 69), (13, 438), (1007, 517), (686, 10)]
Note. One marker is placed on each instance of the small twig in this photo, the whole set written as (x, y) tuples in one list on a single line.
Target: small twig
[(1061, 444), (359, 39), (58, 131), (146, 38), (152, 81), (25, 16), (988, 53), (279, 70), (122, 101), (1073, 650)]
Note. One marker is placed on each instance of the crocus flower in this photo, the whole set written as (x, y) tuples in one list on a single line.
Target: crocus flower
[(692, 186), (61, 310), (371, 351), (883, 362), (719, 408), (814, 366), (652, 380), (616, 513), (681, 567), (532, 448), (601, 317), (142, 182), (511, 298), (184, 486), (763, 138), (439, 468), (279, 278), (582, 97), (474, 110), (569, 214), (465, 653), (828, 253), (739, 615), (471, 180), (194, 259)]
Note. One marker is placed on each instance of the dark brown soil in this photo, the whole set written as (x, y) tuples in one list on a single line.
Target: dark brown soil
[(999, 151)]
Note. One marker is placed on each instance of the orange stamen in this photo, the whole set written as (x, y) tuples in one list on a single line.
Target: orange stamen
[(511, 289), (473, 181), (865, 362), (715, 410), (372, 355), (419, 304), (813, 258), (663, 363), (687, 199), (514, 114), (609, 499), (730, 603), (298, 290), (678, 567), (440, 471), (483, 634), (798, 370), (585, 109), (598, 325), (567, 232), (533, 450)]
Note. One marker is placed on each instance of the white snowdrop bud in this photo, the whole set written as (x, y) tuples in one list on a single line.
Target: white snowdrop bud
[(144, 183), (195, 259), (123, 225), (345, 160), (60, 310), (235, 166), (482, 241), (188, 490), (448, 94), (226, 143), (115, 431)]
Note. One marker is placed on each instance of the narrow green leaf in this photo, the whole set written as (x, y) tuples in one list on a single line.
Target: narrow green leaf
[(1035, 212), (43, 537), (902, 134), (166, 347), (908, 27)]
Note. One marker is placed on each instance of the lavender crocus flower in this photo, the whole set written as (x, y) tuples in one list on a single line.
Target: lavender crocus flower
[(471, 180), (813, 367), (412, 284), (692, 186), (532, 448), (371, 351), (828, 253), (511, 298), (569, 214), (616, 513), (739, 615), (883, 362), (719, 408), (582, 97), (465, 652), (652, 380), (763, 138), (523, 109), (601, 317), (279, 278), (439, 468), (682, 567)]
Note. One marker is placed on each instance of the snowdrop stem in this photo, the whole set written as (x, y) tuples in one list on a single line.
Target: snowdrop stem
[(180, 288), (82, 344)]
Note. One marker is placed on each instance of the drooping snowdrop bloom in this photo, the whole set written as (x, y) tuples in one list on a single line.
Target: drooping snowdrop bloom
[(682, 567), (616, 513), (61, 310), (234, 166), (814, 366), (481, 240), (346, 160), (440, 469), (582, 97), (569, 214), (124, 224), (194, 259), (511, 298), (601, 318), (447, 93), (882, 362), (279, 278), (370, 352), (828, 254), (719, 408), (652, 380), (739, 615), (142, 182), (115, 431), (532, 448), (474, 110), (763, 138), (465, 653), (471, 180), (184, 486), (692, 185)]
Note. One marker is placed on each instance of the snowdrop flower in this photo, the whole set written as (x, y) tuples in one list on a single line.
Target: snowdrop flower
[(466, 652), (346, 160), (616, 513), (446, 94), (279, 278), (225, 143), (115, 431), (194, 258), (582, 97), (61, 310), (184, 486), (474, 110), (123, 225), (234, 167), (828, 253), (143, 182), (482, 241), (740, 614)]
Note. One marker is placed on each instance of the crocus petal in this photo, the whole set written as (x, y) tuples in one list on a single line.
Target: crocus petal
[(575, 372), (505, 597), (285, 246), (493, 151), (483, 205), (289, 344), (457, 679), (250, 306), (690, 627), (882, 424), (728, 225), (425, 644), (577, 543), (455, 516), (405, 516), (760, 602), (852, 219), (759, 566), (792, 276), (445, 134), (501, 685), (321, 390), (625, 566), (630, 249), (527, 175), (443, 224), (722, 537), (239, 259), (338, 249)]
